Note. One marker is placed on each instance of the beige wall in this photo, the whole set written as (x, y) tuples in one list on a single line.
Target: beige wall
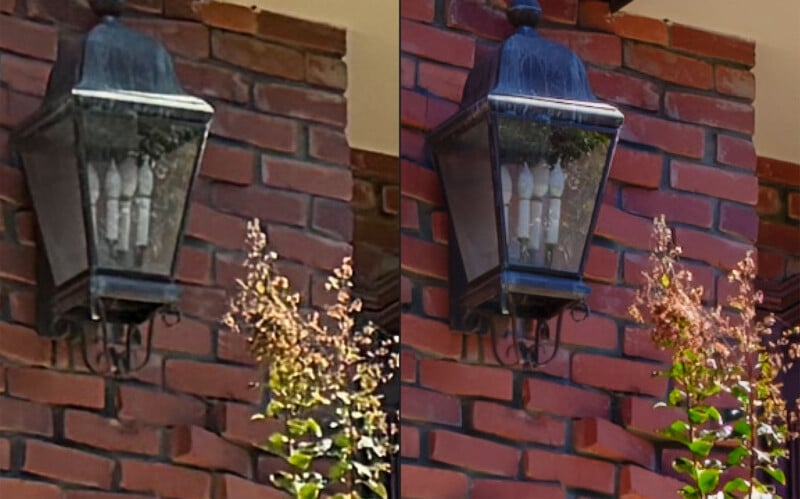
[(775, 27), (373, 32)]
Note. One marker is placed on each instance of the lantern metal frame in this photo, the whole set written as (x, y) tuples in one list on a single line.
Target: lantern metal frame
[(496, 88), (110, 68)]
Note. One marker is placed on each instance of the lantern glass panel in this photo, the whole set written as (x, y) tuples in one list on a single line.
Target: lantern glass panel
[(464, 160), (51, 171), (138, 170), (551, 174)]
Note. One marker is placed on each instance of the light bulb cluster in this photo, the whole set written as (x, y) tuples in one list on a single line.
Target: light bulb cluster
[(538, 206)]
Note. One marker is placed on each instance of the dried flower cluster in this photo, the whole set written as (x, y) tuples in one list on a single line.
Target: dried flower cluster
[(716, 353), (323, 375)]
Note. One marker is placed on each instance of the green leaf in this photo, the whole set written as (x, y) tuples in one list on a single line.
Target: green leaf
[(679, 431), (700, 448), (297, 427), (737, 455), (698, 415), (378, 488), (309, 491), (775, 473), (741, 428), (342, 441), (276, 444), (283, 481), (736, 485), (708, 480), (337, 471), (689, 492), (714, 414), (676, 396), (683, 465), (300, 460)]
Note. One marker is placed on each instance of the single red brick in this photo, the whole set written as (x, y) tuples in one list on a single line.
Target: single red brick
[(139, 404), (619, 226), (771, 264), (636, 167), (794, 206), (624, 89), (595, 331), (777, 171), (91, 429), (267, 204), (601, 264), (326, 71), (214, 227), (779, 236), (714, 181), (595, 48), (25, 75), (676, 207), (231, 164), (478, 18), (735, 82), (596, 14), (640, 416), (714, 250), (267, 132), (328, 145), (214, 81), (602, 438), (307, 248), (440, 45), (67, 464), (436, 302), (196, 446), (20, 416), (334, 219), (433, 337), (28, 38), (201, 302), (603, 372), (736, 152), (713, 45), (473, 453), (412, 145), (16, 107), (423, 258), (466, 380), (232, 487), (408, 366), (676, 138), (24, 345), (194, 265), (95, 494), (255, 55), (184, 38), (423, 482), (639, 343), (229, 17), (427, 406), (483, 488), (165, 479), (25, 227), (563, 400), (769, 201), (557, 11), (210, 380), (443, 81), (288, 30), (739, 221), (29, 489), (409, 442), (668, 66), (303, 103), (332, 182), (56, 388), (572, 471), (418, 10), (440, 226), (235, 423), (421, 183), (516, 425), (636, 482), (711, 111)]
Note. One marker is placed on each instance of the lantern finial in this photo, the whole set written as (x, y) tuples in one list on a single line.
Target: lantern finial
[(104, 8), (524, 13)]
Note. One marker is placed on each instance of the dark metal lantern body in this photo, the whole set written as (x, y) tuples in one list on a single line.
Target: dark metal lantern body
[(110, 159), (523, 164)]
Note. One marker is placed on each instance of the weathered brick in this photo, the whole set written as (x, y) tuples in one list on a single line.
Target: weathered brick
[(24, 345), (424, 258), (183, 38), (714, 181), (314, 179), (267, 132), (303, 103), (56, 388), (769, 201), (255, 55), (67, 464), (326, 71), (739, 221), (625, 89), (466, 380), (28, 38), (599, 437), (676, 207), (736, 152), (516, 425), (24, 75), (91, 429), (196, 446), (214, 81), (444, 81), (602, 372), (559, 399), (432, 337), (473, 453), (301, 33), (596, 48), (210, 380), (677, 138), (432, 43), (595, 14), (712, 45), (228, 17), (572, 471), (423, 405), (777, 171), (20, 416), (714, 250), (478, 18), (735, 82), (711, 111), (328, 145), (668, 66)]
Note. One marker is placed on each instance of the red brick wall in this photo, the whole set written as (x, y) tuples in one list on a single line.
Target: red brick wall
[(180, 428), (779, 212), (582, 426)]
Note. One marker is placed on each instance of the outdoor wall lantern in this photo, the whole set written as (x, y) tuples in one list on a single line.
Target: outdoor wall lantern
[(523, 164), (109, 161)]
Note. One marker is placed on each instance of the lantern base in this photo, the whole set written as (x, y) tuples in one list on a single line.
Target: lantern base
[(521, 294)]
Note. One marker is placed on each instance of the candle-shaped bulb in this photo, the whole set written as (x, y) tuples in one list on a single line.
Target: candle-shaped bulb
[(541, 178), (556, 188), (506, 187), (113, 187), (129, 174), (524, 191), (94, 193), (143, 195)]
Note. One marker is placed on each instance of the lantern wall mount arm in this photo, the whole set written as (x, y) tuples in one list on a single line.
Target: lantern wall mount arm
[(523, 164), (110, 159)]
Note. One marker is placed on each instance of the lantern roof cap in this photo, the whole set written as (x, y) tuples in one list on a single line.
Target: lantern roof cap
[(528, 65)]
